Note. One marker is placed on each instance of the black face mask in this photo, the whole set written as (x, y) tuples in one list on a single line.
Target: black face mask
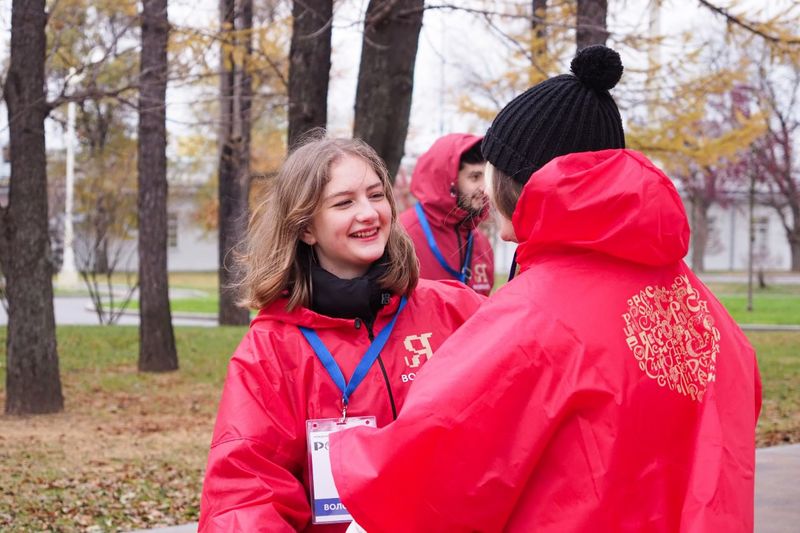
[(360, 297)]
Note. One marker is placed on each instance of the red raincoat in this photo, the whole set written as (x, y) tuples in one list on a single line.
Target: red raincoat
[(603, 389), (257, 475), (434, 183)]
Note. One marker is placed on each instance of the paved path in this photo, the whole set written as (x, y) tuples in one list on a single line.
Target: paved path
[(776, 278), (78, 310), (186, 528), (777, 492), (778, 489), (770, 327)]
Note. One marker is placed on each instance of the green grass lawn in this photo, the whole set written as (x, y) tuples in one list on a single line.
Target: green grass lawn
[(775, 304), (779, 363), (129, 450), (204, 281), (767, 309), (208, 304), (87, 352)]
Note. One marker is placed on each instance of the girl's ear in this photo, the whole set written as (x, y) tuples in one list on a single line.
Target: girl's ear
[(307, 236)]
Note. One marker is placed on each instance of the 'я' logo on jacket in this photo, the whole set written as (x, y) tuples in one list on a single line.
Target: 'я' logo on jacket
[(417, 346), (480, 278)]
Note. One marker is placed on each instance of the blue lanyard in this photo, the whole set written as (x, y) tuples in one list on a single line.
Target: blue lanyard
[(461, 276), (363, 367)]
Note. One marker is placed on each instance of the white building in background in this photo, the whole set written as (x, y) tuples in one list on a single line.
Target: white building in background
[(729, 236), (189, 246)]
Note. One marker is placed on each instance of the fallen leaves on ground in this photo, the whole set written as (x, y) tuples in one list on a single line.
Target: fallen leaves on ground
[(110, 462)]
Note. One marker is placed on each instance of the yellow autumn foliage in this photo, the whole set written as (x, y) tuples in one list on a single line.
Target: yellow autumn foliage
[(533, 59)]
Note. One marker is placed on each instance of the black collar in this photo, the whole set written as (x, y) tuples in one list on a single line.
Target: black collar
[(360, 297)]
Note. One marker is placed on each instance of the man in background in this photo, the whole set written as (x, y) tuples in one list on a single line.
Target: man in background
[(448, 182)]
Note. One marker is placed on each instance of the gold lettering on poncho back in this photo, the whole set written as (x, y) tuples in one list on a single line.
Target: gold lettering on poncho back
[(672, 335)]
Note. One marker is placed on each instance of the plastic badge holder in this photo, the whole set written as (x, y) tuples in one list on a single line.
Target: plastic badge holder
[(326, 507)]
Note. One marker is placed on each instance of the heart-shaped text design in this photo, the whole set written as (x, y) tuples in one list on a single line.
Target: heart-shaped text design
[(672, 336)]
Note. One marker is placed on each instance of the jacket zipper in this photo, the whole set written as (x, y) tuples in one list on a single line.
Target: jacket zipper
[(371, 335)]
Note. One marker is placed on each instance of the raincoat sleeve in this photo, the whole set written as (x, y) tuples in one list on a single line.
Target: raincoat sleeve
[(252, 480), (472, 429)]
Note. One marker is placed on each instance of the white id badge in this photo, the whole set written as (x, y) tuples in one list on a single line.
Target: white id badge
[(326, 508)]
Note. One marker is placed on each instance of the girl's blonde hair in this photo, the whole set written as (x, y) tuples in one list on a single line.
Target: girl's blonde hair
[(505, 191), (275, 262)]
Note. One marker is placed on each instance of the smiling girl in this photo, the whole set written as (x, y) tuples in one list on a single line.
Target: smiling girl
[(343, 328)]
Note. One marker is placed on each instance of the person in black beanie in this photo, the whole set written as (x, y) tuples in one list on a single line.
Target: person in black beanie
[(602, 389), (562, 115)]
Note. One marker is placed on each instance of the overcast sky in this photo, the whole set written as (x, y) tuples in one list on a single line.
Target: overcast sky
[(451, 43)]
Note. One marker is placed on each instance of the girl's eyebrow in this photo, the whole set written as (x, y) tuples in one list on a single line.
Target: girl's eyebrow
[(348, 192)]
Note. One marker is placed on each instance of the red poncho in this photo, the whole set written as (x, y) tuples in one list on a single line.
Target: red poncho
[(603, 389), (257, 479)]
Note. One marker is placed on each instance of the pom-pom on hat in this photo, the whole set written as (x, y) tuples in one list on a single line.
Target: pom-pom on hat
[(561, 115)]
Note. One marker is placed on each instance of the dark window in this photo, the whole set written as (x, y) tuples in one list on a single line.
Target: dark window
[(172, 230)]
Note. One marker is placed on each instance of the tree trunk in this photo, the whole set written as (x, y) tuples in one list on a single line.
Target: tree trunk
[(156, 338), (309, 66), (101, 265), (33, 384), (234, 159), (245, 113), (386, 77), (539, 9), (538, 41), (794, 247), (591, 23), (699, 238)]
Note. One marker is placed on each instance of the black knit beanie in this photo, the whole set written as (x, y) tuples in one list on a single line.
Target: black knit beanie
[(561, 115)]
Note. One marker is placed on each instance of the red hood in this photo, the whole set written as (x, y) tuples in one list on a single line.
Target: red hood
[(435, 177), (615, 202)]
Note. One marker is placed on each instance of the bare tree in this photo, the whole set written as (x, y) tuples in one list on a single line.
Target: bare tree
[(157, 351), (309, 66), (779, 33), (591, 23), (105, 243), (33, 384), (386, 76), (236, 95)]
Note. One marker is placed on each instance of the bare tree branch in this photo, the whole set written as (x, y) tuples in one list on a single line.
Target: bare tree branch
[(91, 93), (381, 14), (749, 26), (487, 12)]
